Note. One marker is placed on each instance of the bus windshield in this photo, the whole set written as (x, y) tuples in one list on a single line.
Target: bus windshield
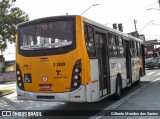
[(47, 35)]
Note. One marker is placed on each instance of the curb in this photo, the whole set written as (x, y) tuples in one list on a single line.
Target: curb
[(11, 91)]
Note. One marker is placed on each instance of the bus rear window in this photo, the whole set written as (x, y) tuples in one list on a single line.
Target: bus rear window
[(48, 35)]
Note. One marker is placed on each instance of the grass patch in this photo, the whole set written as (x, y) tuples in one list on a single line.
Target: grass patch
[(5, 92)]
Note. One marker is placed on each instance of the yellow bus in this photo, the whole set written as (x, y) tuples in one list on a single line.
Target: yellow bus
[(74, 59)]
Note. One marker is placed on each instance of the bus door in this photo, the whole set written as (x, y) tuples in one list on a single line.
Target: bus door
[(128, 62), (103, 60)]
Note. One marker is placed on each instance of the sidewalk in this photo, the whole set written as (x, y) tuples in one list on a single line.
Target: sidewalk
[(145, 99)]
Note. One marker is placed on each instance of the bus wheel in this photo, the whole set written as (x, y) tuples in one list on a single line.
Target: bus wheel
[(118, 89)]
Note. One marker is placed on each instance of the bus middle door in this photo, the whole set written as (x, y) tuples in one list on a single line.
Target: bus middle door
[(103, 64)]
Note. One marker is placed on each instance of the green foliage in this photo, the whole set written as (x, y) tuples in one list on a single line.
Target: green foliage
[(10, 16)]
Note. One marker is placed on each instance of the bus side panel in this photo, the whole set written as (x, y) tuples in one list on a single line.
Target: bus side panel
[(94, 80), (113, 73), (122, 71)]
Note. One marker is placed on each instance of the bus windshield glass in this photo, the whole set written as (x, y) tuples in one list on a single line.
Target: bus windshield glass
[(47, 35)]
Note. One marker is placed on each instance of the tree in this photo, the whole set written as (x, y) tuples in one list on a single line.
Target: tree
[(10, 16)]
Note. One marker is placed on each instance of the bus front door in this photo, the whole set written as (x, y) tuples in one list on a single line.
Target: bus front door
[(103, 64)]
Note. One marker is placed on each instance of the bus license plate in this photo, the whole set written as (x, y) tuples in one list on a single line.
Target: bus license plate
[(45, 86)]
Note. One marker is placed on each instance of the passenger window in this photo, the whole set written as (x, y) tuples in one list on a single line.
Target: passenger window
[(134, 48), (120, 47), (112, 45)]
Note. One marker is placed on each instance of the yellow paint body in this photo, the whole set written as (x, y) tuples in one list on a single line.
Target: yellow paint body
[(48, 67)]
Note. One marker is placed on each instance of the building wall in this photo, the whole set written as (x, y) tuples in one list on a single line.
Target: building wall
[(149, 51)]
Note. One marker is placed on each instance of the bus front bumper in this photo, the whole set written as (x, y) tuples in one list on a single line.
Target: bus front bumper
[(78, 95)]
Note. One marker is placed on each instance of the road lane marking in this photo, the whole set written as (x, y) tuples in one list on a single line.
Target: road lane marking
[(150, 73), (158, 74), (99, 117), (155, 80), (117, 105)]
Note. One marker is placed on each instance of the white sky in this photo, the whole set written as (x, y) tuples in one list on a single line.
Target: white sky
[(108, 12)]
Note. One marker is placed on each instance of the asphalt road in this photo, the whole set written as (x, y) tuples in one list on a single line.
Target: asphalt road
[(10, 102)]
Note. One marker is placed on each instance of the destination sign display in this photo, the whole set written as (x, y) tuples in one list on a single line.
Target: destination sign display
[(45, 26)]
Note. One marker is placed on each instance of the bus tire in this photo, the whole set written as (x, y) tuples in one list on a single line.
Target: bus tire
[(118, 92)]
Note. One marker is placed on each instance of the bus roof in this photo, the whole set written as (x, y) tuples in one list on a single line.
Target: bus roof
[(85, 20), (111, 29)]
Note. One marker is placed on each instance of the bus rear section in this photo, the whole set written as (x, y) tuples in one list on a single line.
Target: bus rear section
[(49, 60)]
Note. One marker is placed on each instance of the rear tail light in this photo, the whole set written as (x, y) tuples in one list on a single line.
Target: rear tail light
[(76, 75), (77, 70), (19, 78)]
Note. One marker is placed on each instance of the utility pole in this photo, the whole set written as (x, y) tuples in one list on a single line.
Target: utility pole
[(136, 32), (135, 24)]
